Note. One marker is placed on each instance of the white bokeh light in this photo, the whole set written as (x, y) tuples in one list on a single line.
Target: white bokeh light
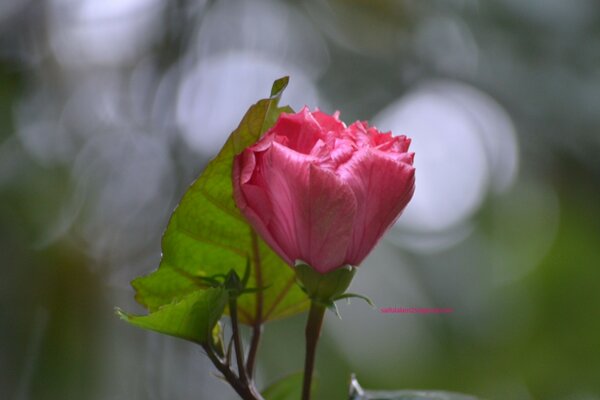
[(495, 128), (214, 96), (464, 144), (102, 32), (263, 27), (452, 172)]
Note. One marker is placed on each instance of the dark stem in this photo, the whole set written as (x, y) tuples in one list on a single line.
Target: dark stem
[(246, 392), (313, 331), (237, 341), (256, 333), (257, 327)]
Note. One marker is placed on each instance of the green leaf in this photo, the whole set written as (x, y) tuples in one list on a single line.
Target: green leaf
[(287, 388), (207, 235), (279, 86), (358, 393), (192, 317)]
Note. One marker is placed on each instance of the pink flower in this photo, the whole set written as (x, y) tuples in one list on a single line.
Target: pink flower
[(321, 192)]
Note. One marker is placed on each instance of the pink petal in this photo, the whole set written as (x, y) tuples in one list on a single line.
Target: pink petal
[(329, 122), (253, 202), (301, 131), (331, 208), (313, 210), (383, 187)]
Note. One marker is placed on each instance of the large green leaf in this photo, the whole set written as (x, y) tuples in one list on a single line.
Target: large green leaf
[(358, 393), (207, 235), (193, 317)]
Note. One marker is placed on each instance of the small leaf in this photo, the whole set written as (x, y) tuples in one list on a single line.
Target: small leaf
[(287, 388), (207, 236), (358, 393), (192, 317), (279, 86)]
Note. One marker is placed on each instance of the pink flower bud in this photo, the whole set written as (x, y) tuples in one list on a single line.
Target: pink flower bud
[(321, 192)]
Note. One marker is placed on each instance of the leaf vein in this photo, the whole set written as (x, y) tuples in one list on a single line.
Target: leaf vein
[(280, 297), (219, 205), (211, 242)]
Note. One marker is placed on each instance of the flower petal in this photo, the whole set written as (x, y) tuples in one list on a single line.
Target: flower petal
[(298, 131), (312, 209), (329, 122), (321, 192), (383, 187), (252, 199), (331, 206)]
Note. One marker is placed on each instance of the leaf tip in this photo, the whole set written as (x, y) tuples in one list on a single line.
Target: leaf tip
[(279, 86), (122, 314)]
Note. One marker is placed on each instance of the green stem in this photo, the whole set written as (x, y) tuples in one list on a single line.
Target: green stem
[(237, 341), (312, 332), (257, 326)]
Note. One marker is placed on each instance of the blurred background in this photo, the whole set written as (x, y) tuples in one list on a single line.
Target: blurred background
[(109, 109)]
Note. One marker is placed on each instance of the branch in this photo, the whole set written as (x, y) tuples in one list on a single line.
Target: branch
[(257, 326), (237, 341), (246, 392)]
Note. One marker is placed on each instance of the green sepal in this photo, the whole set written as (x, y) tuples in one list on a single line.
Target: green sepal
[(324, 288), (355, 296), (233, 284), (333, 308)]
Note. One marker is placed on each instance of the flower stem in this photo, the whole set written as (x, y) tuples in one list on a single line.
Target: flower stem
[(313, 331)]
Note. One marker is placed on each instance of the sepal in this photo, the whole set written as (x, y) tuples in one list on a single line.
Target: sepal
[(324, 288)]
